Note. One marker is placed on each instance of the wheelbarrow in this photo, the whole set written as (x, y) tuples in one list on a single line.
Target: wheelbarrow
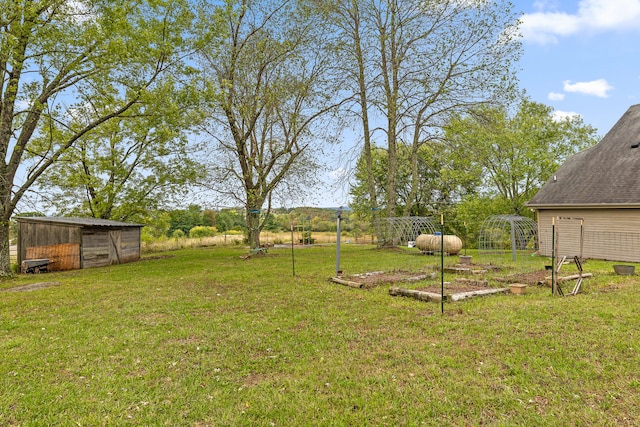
[(35, 265)]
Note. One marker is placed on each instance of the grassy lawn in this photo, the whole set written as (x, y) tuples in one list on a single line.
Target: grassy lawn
[(203, 337)]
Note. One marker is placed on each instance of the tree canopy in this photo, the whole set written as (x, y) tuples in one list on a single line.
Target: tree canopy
[(411, 64), (66, 68), (516, 154), (443, 179), (132, 164), (266, 68)]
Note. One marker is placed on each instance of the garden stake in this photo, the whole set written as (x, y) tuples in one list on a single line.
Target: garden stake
[(441, 263), (339, 218), (293, 260), (553, 255)]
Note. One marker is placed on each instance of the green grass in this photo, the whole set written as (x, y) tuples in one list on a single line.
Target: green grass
[(206, 338)]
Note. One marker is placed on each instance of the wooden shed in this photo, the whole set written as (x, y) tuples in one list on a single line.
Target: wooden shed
[(75, 243)]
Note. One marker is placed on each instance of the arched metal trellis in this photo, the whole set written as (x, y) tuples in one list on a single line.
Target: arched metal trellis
[(504, 233), (401, 230)]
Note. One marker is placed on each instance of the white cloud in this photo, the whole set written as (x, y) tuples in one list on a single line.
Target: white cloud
[(544, 4), (545, 26), (554, 96), (597, 88), (560, 116)]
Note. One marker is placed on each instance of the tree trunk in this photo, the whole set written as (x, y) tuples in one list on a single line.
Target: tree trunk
[(253, 228), (5, 260), (364, 104), (415, 181), (6, 210), (254, 225)]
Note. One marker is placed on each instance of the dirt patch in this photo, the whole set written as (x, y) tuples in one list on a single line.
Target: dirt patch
[(31, 287), (260, 254), (377, 278), (453, 288), (488, 267), (148, 258), (531, 278)]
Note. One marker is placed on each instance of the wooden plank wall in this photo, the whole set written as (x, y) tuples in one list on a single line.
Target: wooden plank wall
[(95, 248), (130, 245), (35, 234), (102, 247), (63, 257)]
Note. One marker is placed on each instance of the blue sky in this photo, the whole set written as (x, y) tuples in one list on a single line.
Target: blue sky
[(582, 57), (579, 57)]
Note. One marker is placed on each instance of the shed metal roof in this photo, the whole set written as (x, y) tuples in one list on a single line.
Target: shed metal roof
[(605, 175), (83, 222)]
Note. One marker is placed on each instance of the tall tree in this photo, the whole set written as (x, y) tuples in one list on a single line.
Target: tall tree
[(517, 154), (130, 165), (427, 60), (69, 67), (354, 63), (472, 47), (269, 88)]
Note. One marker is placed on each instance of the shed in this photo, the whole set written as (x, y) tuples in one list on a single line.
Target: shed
[(596, 194), (75, 243)]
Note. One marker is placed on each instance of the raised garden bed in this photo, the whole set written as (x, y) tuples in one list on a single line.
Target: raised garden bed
[(378, 278), (451, 293)]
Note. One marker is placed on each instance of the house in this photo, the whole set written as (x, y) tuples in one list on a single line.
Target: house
[(593, 200), (75, 243)]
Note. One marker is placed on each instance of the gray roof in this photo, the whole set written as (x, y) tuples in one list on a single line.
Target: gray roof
[(607, 174), (85, 222)]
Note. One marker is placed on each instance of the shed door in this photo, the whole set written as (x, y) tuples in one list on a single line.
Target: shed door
[(115, 242)]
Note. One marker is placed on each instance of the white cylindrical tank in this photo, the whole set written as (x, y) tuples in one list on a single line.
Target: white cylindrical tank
[(433, 243)]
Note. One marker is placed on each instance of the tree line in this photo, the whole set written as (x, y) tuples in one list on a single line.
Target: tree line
[(118, 110), (197, 222)]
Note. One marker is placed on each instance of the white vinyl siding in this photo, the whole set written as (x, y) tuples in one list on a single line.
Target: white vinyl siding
[(608, 234)]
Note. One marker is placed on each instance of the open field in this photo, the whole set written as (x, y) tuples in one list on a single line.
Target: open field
[(266, 238), (201, 337)]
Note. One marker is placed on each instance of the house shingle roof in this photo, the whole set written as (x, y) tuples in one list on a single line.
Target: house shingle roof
[(607, 174)]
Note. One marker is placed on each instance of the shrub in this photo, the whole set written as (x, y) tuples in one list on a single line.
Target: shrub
[(200, 231), (177, 234)]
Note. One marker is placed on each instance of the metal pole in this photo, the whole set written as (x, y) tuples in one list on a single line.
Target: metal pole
[(293, 259), (338, 272), (553, 255), (465, 237), (339, 218), (441, 264), (513, 241), (581, 237)]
